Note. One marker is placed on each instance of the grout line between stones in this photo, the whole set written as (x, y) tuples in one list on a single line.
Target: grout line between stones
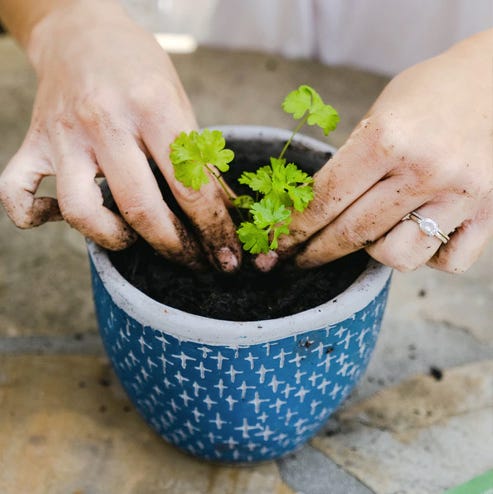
[(78, 344)]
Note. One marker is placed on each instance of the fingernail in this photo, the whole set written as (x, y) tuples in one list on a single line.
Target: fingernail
[(227, 260), (265, 262)]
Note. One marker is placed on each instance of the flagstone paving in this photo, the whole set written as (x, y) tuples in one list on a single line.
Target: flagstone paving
[(66, 427)]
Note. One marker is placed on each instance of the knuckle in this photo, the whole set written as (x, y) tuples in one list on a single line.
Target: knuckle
[(22, 219), (211, 221), (93, 115), (157, 93), (137, 214), (392, 138), (114, 237), (449, 260), (188, 197), (62, 123), (395, 258), (426, 171), (147, 96), (352, 237), (95, 222), (402, 264), (19, 213), (97, 109), (194, 202), (318, 212), (475, 185), (405, 267), (74, 213)]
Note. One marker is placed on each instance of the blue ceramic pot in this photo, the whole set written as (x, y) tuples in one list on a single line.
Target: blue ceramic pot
[(238, 391)]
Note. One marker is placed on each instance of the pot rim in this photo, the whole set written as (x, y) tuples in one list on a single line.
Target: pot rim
[(192, 327)]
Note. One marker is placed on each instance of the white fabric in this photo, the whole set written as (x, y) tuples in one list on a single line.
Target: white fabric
[(381, 35)]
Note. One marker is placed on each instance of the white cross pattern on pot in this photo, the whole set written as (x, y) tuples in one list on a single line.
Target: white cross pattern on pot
[(271, 393)]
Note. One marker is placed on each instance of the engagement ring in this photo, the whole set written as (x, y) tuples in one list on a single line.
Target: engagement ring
[(427, 226)]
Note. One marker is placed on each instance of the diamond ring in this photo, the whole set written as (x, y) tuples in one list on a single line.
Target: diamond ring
[(427, 226)]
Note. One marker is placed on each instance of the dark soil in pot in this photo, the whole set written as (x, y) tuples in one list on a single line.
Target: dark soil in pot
[(247, 295)]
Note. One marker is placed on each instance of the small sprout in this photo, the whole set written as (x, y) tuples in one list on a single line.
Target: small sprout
[(286, 184), (282, 186)]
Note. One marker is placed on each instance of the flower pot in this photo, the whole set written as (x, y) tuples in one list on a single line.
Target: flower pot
[(238, 391)]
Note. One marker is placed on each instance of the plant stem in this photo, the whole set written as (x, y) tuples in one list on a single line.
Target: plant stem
[(295, 131), (221, 182), (220, 179)]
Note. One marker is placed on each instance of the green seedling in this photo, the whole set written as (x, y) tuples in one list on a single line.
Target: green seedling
[(279, 187)]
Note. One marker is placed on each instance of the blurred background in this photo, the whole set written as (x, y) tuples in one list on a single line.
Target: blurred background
[(379, 35)]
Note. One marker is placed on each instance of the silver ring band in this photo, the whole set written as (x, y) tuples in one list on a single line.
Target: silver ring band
[(427, 226)]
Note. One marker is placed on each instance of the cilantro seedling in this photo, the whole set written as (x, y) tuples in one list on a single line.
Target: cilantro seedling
[(281, 186)]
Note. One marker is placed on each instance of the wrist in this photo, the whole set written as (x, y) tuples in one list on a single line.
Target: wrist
[(65, 22)]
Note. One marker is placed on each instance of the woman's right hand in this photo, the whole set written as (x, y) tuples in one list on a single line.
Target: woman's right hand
[(108, 99)]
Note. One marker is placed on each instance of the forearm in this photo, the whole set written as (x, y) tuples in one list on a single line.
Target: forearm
[(21, 16)]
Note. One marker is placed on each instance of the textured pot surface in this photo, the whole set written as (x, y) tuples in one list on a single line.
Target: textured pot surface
[(238, 391)]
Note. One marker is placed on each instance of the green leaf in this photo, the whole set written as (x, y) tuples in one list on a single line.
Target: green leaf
[(299, 101), (191, 154), (325, 116), (277, 231), (291, 186), (211, 144), (301, 197), (254, 239), (306, 99), (270, 220), (267, 213), (187, 162), (243, 201), (191, 175), (281, 183), (259, 181), (288, 175), (477, 485)]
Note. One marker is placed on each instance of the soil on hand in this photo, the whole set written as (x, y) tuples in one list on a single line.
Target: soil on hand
[(248, 295)]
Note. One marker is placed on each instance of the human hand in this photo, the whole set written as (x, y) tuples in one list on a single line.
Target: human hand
[(426, 145), (108, 98)]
